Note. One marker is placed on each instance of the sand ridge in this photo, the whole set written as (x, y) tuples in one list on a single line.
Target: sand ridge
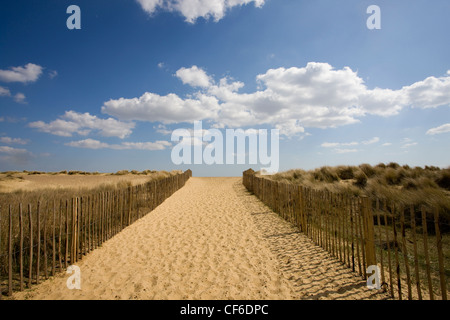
[(25, 182), (209, 240)]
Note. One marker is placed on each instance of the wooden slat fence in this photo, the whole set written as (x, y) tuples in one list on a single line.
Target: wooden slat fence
[(44, 238), (405, 242)]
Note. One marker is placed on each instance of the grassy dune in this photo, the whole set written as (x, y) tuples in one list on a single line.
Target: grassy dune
[(429, 186)]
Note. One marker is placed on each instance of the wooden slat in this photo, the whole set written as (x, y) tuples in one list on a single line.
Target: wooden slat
[(60, 235), (66, 253), (10, 254), (440, 255), (391, 280), (369, 233), (38, 229), (54, 240), (30, 261), (362, 237), (383, 280), (416, 259), (405, 252), (45, 243), (89, 239), (358, 234), (425, 247), (352, 233), (21, 247), (397, 264)]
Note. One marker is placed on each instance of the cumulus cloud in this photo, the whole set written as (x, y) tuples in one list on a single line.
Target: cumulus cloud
[(429, 93), (95, 144), (162, 129), (408, 145), (9, 140), (438, 130), (84, 123), (290, 99), (4, 92), (19, 97), (15, 155), (339, 145), (166, 109), (88, 144), (28, 73), (371, 141), (341, 151), (194, 9), (194, 77)]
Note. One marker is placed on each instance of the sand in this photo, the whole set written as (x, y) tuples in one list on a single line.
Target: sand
[(22, 181), (209, 240)]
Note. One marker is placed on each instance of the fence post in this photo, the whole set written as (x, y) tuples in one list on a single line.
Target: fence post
[(30, 263), (440, 254), (38, 227), (10, 254), (369, 234)]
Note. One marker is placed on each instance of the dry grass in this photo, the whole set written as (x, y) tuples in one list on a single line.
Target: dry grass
[(30, 181), (428, 186)]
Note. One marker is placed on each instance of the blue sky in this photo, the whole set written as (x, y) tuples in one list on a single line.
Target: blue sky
[(108, 96)]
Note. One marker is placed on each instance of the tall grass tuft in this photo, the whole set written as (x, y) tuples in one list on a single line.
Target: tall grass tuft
[(428, 186)]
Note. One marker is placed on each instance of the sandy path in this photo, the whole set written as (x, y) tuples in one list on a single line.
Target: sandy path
[(210, 240)]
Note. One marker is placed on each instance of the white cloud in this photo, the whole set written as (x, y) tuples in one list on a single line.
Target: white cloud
[(9, 140), (14, 155), (194, 9), (292, 99), (161, 65), (158, 145), (4, 92), (95, 144), (52, 74), (371, 141), (338, 144), (387, 144), (438, 130), (83, 123), (341, 151), (290, 128), (88, 144), (166, 109), (429, 93), (408, 145), (162, 129), (19, 97), (194, 76), (28, 73)]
